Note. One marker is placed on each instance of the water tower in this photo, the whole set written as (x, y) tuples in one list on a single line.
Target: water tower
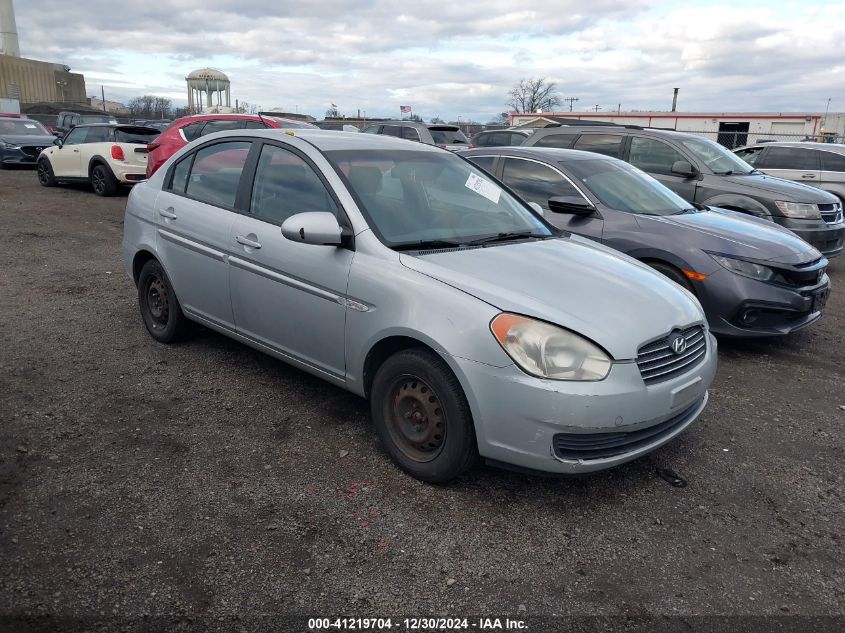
[(209, 81)]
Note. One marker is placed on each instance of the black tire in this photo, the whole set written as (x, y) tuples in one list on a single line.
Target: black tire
[(44, 171), (672, 273), (103, 181), (421, 414), (159, 306)]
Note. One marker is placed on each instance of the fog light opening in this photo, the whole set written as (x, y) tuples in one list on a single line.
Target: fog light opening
[(749, 317)]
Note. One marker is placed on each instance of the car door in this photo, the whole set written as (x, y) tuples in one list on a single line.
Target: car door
[(537, 182), (833, 172), (792, 163), (289, 296), (195, 211), (65, 160), (656, 159), (98, 142)]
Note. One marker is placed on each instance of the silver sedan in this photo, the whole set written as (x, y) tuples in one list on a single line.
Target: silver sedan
[(405, 274)]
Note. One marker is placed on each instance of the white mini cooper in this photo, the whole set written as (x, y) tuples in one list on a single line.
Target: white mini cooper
[(104, 154)]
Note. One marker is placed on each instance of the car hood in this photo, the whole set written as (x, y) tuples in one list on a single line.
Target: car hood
[(733, 233), (785, 189), (27, 139), (606, 296)]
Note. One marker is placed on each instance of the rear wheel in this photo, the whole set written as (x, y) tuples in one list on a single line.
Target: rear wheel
[(159, 306), (103, 181), (672, 273), (422, 416), (44, 171)]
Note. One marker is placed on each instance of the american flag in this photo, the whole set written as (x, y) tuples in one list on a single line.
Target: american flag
[(404, 109)]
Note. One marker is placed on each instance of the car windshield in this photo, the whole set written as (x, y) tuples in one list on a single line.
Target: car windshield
[(22, 127), (448, 136), (135, 135), (716, 157), (624, 187), (433, 199)]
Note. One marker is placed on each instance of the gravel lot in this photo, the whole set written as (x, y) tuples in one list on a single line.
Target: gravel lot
[(204, 482)]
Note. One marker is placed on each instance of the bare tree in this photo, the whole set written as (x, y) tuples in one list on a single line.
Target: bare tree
[(437, 120), (150, 107), (530, 95)]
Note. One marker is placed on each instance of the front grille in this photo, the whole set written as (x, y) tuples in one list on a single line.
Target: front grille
[(831, 213), (658, 362), (32, 150), (604, 445)]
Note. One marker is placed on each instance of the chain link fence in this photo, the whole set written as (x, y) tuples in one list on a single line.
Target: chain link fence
[(732, 139)]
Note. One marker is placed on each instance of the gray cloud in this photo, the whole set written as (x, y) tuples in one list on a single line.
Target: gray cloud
[(457, 58)]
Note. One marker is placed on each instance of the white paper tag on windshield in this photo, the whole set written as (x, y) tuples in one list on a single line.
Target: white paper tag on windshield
[(29, 125), (484, 188)]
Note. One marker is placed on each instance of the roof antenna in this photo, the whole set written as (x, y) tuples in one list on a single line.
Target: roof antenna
[(261, 118)]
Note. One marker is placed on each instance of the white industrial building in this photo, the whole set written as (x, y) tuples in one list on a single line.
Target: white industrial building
[(740, 128)]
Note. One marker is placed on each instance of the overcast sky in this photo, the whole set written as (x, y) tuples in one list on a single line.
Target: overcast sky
[(453, 58)]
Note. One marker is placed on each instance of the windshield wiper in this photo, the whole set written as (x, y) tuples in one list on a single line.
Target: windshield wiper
[(420, 245), (504, 237)]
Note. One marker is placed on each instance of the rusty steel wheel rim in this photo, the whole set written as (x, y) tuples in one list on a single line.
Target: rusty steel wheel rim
[(416, 420), (158, 303)]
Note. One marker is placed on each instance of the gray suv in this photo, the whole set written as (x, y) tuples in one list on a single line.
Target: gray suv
[(821, 165), (702, 171), (445, 136)]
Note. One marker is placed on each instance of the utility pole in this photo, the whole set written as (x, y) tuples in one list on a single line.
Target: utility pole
[(675, 99), (619, 109), (103, 93), (826, 110), (571, 100), (596, 107)]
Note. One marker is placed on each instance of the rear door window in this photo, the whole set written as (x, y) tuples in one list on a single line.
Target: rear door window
[(410, 133), (485, 162), (216, 173), (221, 126), (535, 182), (555, 140), (796, 158), (446, 136), (192, 131), (607, 144), (391, 130), (653, 156), (832, 161)]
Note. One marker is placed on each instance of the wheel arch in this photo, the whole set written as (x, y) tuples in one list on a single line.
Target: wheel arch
[(98, 160), (138, 261), (387, 347)]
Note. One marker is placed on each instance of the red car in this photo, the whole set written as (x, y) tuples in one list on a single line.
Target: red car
[(189, 128)]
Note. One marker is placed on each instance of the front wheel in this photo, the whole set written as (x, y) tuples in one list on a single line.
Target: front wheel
[(159, 306), (672, 273), (103, 181), (421, 414), (45, 174)]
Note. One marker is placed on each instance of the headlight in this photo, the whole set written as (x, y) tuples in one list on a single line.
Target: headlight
[(6, 145), (548, 351), (801, 210), (747, 269)]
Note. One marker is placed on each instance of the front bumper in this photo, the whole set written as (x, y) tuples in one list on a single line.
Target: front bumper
[(517, 416), (776, 310), (827, 238), (18, 156)]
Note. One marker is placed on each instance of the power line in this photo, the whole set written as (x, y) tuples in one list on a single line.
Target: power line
[(571, 101)]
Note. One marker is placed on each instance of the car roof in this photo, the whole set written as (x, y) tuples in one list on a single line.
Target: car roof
[(830, 147), (329, 140), (548, 154), (612, 129), (122, 126)]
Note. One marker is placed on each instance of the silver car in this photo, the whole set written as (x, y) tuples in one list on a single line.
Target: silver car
[(821, 165), (406, 275)]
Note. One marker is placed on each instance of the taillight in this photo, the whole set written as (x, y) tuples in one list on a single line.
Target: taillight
[(117, 152)]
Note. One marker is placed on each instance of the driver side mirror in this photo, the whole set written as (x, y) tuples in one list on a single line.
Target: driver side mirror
[(574, 205), (314, 227), (685, 169), (58, 142)]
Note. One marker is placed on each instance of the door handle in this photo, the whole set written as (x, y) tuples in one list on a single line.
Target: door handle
[(167, 213), (242, 239), (808, 175)]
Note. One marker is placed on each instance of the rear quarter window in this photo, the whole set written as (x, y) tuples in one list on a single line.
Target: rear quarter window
[(556, 140)]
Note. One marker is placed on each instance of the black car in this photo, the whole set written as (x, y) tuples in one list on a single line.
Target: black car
[(700, 170), (21, 141), (752, 277), (501, 138), (65, 121)]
